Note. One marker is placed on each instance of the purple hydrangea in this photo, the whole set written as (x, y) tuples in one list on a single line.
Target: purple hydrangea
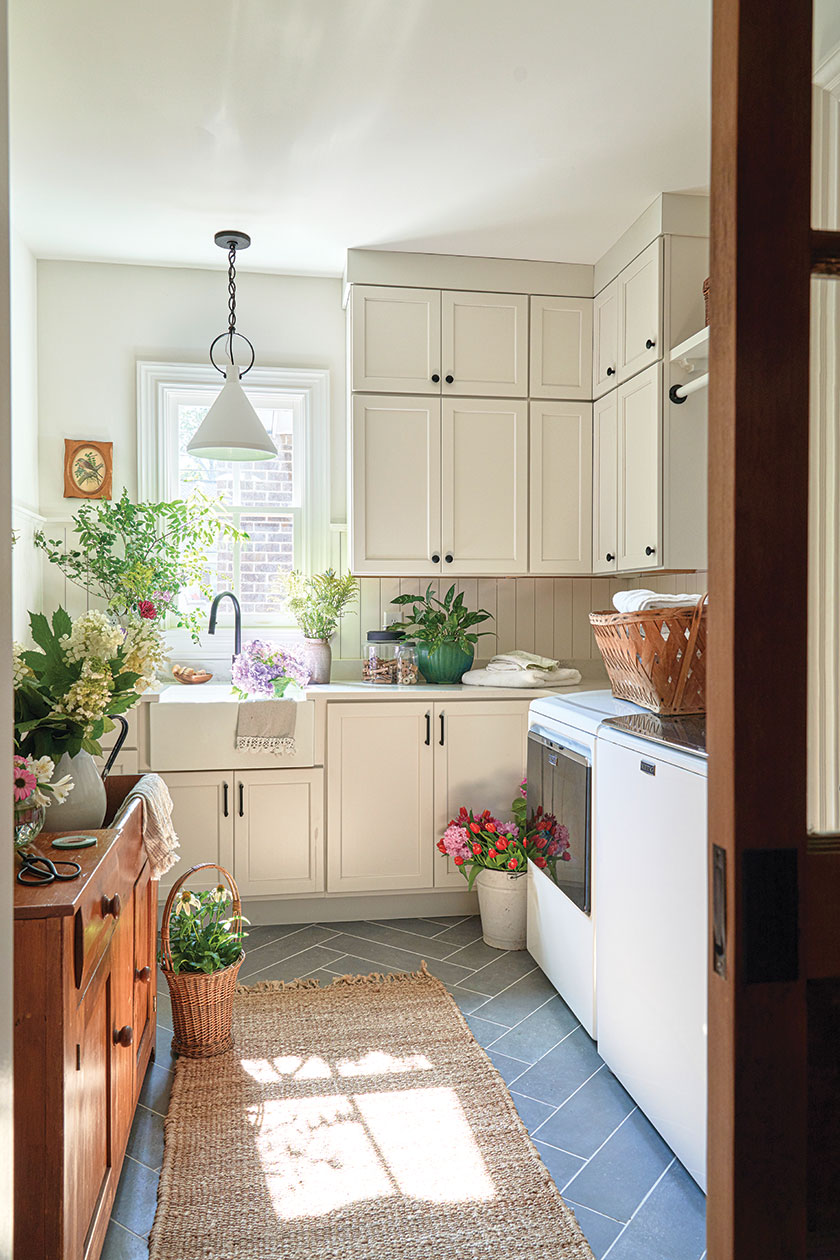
[(260, 663)]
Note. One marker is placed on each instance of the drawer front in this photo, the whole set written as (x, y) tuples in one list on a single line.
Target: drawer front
[(106, 897)]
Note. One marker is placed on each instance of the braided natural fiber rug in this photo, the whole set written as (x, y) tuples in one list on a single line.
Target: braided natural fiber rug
[(355, 1122)]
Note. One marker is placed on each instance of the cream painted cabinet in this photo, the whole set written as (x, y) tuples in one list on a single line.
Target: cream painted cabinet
[(561, 348), (380, 812), (605, 484), (484, 344), (639, 462), (480, 753), (278, 844), (560, 487), (484, 486), (605, 340), (395, 507), (395, 339), (640, 303), (202, 816)]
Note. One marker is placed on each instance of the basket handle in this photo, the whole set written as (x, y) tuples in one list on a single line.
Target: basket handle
[(688, 655), (236, 911)]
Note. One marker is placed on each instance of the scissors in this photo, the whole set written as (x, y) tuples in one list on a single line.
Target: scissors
[(40, 870)]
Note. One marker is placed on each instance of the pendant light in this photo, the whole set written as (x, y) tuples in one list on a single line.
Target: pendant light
[(232, 429)]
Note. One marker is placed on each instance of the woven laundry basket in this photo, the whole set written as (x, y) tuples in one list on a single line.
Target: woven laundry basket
[(656, 658)]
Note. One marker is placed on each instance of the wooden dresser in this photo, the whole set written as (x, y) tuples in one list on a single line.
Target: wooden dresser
[(85, 986)]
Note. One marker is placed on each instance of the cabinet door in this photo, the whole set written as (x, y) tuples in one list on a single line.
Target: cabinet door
[(640, 312), (395, 503), (561, 347), (88, 1114), (561, 487), (124, 1036), (202, 815), (484, 486), (145, 930), (605, 484), (484, 339), (380, 811), (395, 340), (640, 471), (278, 842), (480, 754), (605, 340)]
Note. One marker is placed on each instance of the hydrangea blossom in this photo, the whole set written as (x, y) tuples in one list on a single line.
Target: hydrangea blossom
[(87, 699), (260, 663), (144, 651), (20, 670), (455, 841), (93, 637)]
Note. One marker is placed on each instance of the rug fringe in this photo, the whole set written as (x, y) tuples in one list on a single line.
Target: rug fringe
[(373, 977)]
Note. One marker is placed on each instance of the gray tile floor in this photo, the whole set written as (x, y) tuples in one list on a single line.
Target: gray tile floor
[(632, 1197)]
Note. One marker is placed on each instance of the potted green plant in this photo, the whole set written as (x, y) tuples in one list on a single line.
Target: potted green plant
[(443, 631), (317, 604)]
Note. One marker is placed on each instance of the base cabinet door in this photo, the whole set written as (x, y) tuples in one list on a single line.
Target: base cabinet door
[(379, 796), (560, 441), (202, 815), (278, 845), (145, 935), (640, 471), (89, 1111), (480, 755)]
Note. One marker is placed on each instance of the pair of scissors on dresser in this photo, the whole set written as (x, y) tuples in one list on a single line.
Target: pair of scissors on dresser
[(36, 870)]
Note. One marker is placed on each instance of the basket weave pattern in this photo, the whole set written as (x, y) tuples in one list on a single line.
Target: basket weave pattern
[(656, 658), (202, 1004)]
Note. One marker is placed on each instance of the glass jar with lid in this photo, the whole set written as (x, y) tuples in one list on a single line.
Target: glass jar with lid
[(408, 672), (379, 664)]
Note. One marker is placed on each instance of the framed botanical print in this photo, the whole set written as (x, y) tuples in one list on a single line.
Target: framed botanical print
[(88, 467)]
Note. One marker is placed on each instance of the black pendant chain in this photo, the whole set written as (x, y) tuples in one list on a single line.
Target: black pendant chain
[(232, 241), (231, 298)]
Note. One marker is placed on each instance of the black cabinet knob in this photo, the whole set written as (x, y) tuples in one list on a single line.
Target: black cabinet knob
[(649, 551), (436, 377), (609, 557), (448, 557), (435, 558), (449, 379), (649, 344), (124, 1036), (610, 371)]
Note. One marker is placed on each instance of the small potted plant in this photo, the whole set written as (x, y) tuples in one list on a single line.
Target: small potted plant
[(317, 604), (494, 856), (34, 792), (266, 669), (201, 952), (443, 632)]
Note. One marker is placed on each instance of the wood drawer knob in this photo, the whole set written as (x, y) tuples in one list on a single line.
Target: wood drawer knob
[(143, 974), (124, 1036), (111, 905)]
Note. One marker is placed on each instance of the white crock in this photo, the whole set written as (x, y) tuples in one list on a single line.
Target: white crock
[(84, 809), (502, 902), (318, 658)]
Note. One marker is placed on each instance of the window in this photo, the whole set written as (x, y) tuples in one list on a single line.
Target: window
[(281, 503)]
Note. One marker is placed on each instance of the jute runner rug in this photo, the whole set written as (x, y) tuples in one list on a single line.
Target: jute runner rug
[(360, 1121)]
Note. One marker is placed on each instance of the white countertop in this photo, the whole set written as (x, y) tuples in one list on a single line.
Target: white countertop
[(215, 693)]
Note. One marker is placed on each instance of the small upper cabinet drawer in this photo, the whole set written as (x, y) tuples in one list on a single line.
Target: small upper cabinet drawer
[(484, 344), (395, 340), (561, 336), (605, 340), (640, 312)]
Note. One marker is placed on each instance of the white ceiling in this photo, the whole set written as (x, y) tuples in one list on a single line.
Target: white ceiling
[(510, 128)]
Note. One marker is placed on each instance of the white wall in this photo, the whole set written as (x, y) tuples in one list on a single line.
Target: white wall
[(96, 320), (27, 589)]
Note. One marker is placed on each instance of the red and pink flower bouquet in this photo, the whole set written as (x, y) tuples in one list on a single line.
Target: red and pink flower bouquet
[(478, 842)]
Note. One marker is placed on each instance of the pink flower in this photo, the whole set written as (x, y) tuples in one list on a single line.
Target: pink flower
[(146, 609), (24, 780), (523, 789), (456, 842)]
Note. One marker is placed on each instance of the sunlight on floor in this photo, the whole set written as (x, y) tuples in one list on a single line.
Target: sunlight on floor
[(374, 1063)]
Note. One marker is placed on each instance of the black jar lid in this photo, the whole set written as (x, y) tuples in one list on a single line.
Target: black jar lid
[(384, 636)]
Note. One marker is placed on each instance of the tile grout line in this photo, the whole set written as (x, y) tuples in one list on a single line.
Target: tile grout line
[(297, 954), (112, 1220), (638, 1207), (561, 1105), (600, 1148), (603, 1215), (363, 940), (354, 936)]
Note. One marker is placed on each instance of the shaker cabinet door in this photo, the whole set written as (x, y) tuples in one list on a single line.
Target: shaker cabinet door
[(561, 347), (605, 340), (279, 836), (605, 484), (640, 302), (484, 344), (561, 487), (395, 340), (640, 471), (202, 815)]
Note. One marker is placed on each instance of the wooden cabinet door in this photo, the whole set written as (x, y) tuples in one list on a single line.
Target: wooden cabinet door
[(560, 440), (605, 340), (395, 503), (484, 344), (124, 1035), (379, 796), (144, 968), (640, 304), (395, 340), (202, 815), (484, 486), (605, 484), (561, 347), (480, 755), (278, 839), (88, 1110), (640, 471)]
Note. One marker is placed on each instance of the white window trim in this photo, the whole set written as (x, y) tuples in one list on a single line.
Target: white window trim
[(157, 450)]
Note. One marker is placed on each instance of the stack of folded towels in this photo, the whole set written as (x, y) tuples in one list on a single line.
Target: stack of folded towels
[(640, 601), (521, 669)]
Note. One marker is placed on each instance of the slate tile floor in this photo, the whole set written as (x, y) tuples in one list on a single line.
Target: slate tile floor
[(632, 1197)]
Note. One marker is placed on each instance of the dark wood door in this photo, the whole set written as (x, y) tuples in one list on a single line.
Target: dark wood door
[(145, 987), (89, 1102), (123, 1033)]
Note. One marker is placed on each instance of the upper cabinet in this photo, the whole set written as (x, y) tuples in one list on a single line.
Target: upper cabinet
[(561, 456), (395, 343), (484, 344), (561, 341), (640, 295), (605, 340)]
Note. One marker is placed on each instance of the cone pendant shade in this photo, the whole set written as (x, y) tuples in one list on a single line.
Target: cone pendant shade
[(232, 429)]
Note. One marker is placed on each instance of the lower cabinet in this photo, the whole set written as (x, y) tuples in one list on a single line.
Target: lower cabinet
[(397, 772)]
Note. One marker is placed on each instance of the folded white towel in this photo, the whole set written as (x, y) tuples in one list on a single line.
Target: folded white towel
[(504, 662), (522, 678), (267, 726), (158, 833), (641, 601)]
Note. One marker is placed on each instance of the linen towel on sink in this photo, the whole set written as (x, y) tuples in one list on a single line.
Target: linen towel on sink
[(522, 678), (158, 833), (267, 726), (506, 662), (641, 601)]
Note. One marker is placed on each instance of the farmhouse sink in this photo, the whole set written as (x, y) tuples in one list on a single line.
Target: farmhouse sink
[(194, 728)]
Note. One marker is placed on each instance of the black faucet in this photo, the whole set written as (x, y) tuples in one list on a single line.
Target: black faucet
[(237, 619)]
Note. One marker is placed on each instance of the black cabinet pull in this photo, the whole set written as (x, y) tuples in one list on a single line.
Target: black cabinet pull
[(428, 739), (650, 343), (435, 558), (241, 800), (226, 799), (436, 377), (609, 557), (610, 371), (448, 557), (450, 379), (440, 741), (649, 551)]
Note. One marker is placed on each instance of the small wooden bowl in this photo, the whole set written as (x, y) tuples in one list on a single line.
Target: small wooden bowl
[(189, 680)]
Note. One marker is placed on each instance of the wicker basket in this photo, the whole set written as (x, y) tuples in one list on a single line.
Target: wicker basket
[(202, 1005), (656, 658), (707, 284)]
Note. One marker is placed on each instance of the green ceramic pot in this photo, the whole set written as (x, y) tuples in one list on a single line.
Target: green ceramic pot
[(445, 664)]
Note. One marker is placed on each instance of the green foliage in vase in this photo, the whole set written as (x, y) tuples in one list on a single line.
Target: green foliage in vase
[(434, 621), (133, 554), (319, 602), (204, 936)]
